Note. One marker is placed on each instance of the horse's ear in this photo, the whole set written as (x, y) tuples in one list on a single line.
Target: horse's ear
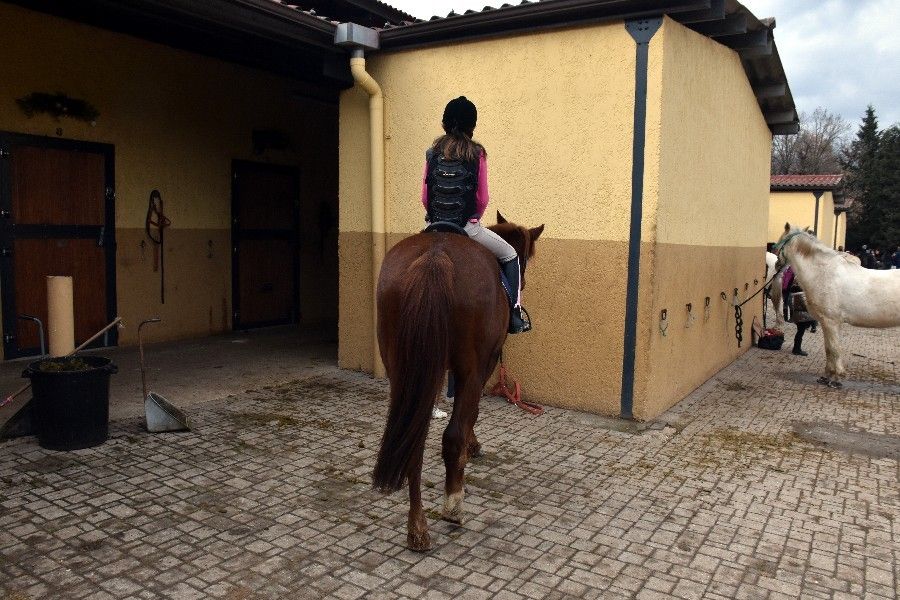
[(536, 232), (787, 226), (500, 218)]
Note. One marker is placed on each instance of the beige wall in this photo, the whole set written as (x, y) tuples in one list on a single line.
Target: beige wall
[(559, 153), (798, 209), (706, 196), (841, 238), (558, 128), (176, 120)]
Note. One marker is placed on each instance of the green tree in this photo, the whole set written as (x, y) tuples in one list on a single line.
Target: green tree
[(858, 162), (883, 197)]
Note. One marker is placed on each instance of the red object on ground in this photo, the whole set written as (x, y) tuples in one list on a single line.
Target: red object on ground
[(514, 395)]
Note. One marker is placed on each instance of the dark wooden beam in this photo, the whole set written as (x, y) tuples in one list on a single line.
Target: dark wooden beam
[(781, 117), (756, 51), (731, 25), (716, 11), (785, 129), (751, 39), (776, 90)]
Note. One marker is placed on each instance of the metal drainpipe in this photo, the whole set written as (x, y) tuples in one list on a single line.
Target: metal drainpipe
[(360, 38)]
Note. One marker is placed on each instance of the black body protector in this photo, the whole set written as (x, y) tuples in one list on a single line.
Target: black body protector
[(451, 189)]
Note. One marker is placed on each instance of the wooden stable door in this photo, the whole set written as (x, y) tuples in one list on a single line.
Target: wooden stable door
[(264, 234), (56, 218)]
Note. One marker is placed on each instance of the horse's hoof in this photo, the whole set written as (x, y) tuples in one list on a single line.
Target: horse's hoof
[(418, 542), (456, 519), (824, 381), (835, 384), (475, 451)]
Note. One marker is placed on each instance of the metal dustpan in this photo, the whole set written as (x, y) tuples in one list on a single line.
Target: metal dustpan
[(160, 414)]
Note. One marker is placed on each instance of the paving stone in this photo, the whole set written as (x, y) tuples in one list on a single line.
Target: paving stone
[(270, 498)]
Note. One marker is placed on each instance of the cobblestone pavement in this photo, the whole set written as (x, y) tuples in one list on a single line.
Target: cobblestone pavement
[(762, 484)]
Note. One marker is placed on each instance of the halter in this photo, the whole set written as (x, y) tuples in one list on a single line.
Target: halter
[(779, 247)]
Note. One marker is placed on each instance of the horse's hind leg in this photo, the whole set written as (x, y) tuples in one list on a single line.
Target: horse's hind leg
[(417, 537), (834, 366), (457, 445)]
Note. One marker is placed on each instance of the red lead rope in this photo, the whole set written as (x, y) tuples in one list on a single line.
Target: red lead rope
[(514, 395)]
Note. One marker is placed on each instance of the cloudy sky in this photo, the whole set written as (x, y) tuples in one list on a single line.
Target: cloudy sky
[(838, 54)]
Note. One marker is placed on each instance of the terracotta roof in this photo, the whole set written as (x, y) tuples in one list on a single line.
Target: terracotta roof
[(806, 182)]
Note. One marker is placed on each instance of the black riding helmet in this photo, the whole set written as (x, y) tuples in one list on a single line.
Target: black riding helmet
[(460, 115)]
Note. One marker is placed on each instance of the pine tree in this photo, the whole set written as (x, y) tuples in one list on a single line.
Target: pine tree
[(883, 199), (859, 164)]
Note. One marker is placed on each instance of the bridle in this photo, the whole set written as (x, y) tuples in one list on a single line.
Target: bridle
[(779, 247)]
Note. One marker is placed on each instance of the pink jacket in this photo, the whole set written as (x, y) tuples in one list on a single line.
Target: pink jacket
[(481, 192)]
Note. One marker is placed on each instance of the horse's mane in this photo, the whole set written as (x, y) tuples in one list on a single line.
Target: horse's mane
[(517, 236), (806, 244)]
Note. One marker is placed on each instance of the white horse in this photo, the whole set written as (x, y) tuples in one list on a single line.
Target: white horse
[(838, 290), (774, 288)]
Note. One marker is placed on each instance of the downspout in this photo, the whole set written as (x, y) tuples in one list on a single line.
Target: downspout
[(642, 31), (360, 39), (818, 195)]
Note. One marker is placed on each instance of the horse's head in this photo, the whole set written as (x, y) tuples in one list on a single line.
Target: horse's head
[(796, 241), (520, 238)]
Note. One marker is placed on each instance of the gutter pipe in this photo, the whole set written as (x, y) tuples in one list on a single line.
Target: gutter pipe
[(360, 39)]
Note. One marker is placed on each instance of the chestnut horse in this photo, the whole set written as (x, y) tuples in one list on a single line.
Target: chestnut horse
[(440, 307)]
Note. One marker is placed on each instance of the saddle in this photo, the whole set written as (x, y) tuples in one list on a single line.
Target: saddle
[(445, 227), (448, 227)]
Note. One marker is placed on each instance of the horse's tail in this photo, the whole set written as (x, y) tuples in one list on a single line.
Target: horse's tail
[(418, 361)]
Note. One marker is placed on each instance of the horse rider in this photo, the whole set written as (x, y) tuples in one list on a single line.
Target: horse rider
[(455, 190)]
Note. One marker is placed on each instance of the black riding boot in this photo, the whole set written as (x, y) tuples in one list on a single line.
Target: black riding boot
[(516, 323), (798, 339)]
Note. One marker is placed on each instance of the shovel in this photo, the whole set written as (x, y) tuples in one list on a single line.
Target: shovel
[(160, 414)]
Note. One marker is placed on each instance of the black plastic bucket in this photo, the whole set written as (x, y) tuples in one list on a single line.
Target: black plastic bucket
[(70, 401)]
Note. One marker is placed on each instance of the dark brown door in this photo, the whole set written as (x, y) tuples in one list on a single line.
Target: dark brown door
[(265, 202), (57, 217)]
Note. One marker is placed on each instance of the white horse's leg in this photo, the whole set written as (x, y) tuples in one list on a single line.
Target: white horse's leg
[(834, 368), (775, 295)]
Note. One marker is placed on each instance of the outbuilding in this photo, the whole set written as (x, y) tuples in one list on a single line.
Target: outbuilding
[(814, 201), (639, 133), (231, 131)]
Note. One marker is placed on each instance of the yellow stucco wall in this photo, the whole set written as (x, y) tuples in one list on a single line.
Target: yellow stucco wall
[(706, 199), (799, 209), (176, 120), (840, 239), (707, 160), (557, 127)]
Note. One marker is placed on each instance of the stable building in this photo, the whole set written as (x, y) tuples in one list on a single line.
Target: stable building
[(212, 163), (814, 201), (638, 133)]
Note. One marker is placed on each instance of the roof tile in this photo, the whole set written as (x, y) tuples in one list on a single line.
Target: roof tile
[(806, 182)]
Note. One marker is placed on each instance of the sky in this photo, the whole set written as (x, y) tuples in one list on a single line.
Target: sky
[(838, 54)]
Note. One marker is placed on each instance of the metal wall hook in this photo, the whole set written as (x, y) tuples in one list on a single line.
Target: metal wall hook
[(691, 316), (706, 309), (663, 321)]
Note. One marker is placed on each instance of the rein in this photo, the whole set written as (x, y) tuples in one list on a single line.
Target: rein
[(738, 312)]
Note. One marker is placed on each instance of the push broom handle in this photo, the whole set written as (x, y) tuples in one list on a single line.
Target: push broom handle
[(25, 387)]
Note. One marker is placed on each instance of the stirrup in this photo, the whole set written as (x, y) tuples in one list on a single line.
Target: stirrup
[(519, 323)]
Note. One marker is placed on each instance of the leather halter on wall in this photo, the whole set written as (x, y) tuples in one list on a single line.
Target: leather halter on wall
[(155, 225)]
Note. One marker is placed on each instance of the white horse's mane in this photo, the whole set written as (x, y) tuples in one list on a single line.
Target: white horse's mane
[(807, 242)]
